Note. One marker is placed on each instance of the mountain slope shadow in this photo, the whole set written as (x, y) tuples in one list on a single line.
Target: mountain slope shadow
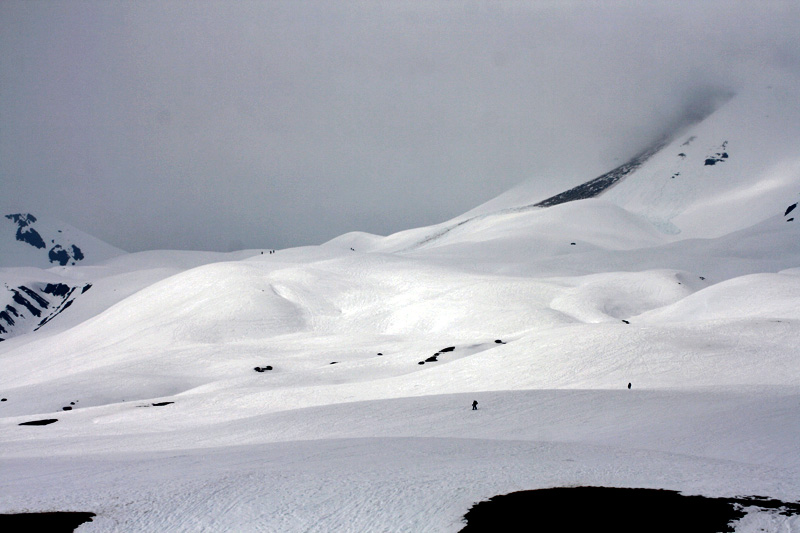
[(622, 510)]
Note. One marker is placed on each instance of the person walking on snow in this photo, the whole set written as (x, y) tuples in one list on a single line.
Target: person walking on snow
[(474, 405)]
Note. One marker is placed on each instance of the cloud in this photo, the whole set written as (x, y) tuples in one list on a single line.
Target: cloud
[(207, 125)]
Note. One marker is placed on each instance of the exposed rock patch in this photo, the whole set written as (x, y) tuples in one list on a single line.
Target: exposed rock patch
[(29, 307), (25, 231), (595, 187), (622, 510), (61, 253), (44, 422), (54, 522), (718, 157)]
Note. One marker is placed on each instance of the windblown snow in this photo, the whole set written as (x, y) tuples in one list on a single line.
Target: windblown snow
[(328, 388)]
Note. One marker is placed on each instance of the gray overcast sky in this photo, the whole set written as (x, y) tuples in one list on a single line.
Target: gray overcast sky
[(227, 125)]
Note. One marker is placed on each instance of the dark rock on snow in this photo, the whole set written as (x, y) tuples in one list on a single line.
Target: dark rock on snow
[(623, 510), (40, 422), (51, 521), (593, 188), (25, 233)]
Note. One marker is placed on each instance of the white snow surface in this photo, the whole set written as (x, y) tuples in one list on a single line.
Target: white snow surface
[(687, 287)]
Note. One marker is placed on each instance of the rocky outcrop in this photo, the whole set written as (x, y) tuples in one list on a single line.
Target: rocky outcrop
[(29, 307), (61, 251)]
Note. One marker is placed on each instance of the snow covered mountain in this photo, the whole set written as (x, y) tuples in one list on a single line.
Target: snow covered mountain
[(636, 331), (31, 297), (28, 240)]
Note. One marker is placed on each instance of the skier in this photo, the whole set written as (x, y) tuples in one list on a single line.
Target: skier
[(475, 405)]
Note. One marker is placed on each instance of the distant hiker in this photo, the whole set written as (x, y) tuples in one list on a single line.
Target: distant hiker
[(629, 386), (475, 405)]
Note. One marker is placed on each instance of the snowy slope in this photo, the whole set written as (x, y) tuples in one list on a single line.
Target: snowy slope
[(735, 168), (328, 388)]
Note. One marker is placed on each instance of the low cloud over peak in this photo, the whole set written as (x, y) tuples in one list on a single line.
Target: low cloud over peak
[(214, 125)]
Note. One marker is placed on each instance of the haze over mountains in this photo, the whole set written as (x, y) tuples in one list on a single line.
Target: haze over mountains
[(328, 387)]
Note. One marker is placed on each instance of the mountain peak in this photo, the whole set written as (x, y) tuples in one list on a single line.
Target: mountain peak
[(27, 240)]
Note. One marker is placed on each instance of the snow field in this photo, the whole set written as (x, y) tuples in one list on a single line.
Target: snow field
[(682, 279)]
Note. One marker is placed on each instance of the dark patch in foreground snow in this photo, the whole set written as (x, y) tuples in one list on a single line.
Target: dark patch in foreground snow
[(56, 522), (434, 357), (44, 422), (158, 404), (262, 368), (623, 510)]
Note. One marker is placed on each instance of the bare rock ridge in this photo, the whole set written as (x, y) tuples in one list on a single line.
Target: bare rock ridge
[(595, 187), (28, 308), (589, 189)]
